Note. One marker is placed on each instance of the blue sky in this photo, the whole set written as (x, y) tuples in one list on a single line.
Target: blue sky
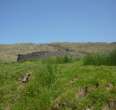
[(42, 21)]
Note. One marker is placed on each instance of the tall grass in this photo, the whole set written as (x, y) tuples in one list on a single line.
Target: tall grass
[(58, 60), (47, 75), (51, 82), (100, 59)]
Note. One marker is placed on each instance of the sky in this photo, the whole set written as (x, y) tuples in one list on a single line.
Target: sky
[(45, 21)]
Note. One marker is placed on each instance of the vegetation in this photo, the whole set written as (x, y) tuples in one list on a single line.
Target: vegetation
[(59, 83), (101, 59), (58, 60), (56, 84)]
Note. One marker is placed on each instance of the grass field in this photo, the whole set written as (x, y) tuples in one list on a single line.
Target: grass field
[(67, 85), (61, 83)]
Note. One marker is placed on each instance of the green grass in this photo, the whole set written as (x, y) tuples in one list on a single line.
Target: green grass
[(58, 60), (53, 83), (101, 58)]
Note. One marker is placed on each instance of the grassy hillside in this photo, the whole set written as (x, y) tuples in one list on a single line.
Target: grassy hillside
[(59, 83), (66, 85), (9, 52)]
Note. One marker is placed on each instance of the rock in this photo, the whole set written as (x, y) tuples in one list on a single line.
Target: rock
[(82, 92), (112, 104), (109, 86), (56, 106), (25, 78), (88, 109)]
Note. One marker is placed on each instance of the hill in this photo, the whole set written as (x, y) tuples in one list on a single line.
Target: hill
[(58, 83), (10, 52)]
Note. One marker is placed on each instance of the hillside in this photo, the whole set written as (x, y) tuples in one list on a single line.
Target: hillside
[(10, 52), (58, 83)]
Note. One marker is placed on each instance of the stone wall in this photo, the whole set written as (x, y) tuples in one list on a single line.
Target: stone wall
[(39, 55)]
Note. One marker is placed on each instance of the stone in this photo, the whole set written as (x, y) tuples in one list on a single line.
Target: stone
[(112, 104), (56, 106), (109, 86), (26, 78), (82, 92)]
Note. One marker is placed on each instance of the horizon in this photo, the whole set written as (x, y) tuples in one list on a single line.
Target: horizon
[(43, 21), (33, 43)]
